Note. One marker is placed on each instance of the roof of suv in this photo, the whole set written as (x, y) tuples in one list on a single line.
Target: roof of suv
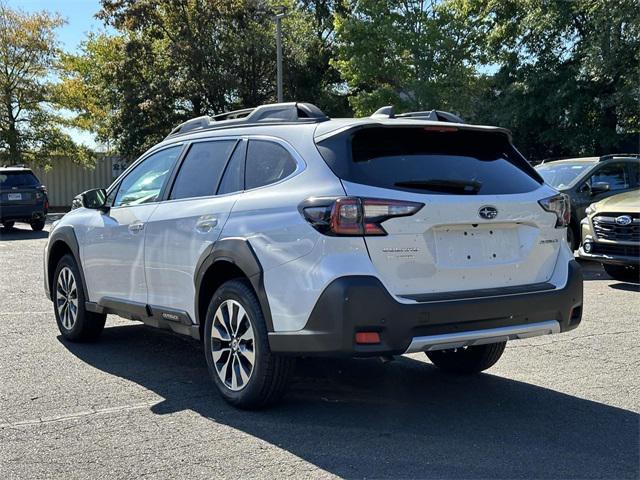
[(297, 113), (14, 168)]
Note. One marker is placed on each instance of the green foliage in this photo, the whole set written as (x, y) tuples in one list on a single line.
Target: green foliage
[(563, 75), (568, 79), (414, 54), (31, 130)]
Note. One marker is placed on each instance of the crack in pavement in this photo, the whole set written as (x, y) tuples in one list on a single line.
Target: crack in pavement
[(76, 415)]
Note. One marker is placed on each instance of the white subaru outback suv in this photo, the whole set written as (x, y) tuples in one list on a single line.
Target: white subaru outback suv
[(276, 232)]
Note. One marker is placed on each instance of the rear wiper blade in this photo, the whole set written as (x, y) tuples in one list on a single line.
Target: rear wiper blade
[(445, 186)]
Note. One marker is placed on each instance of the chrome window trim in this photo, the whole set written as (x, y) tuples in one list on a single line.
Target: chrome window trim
[(301, 165)]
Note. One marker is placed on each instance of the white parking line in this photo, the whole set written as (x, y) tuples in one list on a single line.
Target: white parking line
[(25, 313)]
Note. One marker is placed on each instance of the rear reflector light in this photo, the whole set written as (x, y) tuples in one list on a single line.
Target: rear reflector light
[(561, 206), (354, 216), (367, 338)]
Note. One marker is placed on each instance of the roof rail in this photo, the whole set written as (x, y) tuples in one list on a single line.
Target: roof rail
[(292, 112), (434, 115), (612, 156)]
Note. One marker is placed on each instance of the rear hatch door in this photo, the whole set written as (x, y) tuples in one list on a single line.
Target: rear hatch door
[(18, 187), (481, 226)]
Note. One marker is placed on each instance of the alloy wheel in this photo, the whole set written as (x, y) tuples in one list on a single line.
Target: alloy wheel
[(233, 345), (67, 298)]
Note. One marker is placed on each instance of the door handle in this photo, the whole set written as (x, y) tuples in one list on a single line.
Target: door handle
[(136, 227), (206, 223)]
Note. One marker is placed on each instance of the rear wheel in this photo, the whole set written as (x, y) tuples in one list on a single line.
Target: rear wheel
[(74, 321), (624, 273), (467, 360), (8, 225), (240, 362), (37, 225)]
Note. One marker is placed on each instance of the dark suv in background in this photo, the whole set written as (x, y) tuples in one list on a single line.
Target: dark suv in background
[(23, 198), (588, 180)]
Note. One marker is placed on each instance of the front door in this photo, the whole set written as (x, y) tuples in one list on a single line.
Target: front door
[(112, 243), (618, 175)]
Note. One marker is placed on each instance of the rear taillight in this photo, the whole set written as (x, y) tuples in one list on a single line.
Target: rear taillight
[(561, 206), (354, 216)]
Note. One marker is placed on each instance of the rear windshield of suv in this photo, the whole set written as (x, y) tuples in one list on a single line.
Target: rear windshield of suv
[(18, 179), (421, 159)]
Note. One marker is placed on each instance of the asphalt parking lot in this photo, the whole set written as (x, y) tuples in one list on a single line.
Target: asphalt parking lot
[(139, 402)]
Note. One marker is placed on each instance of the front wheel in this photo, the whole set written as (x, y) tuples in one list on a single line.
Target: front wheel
[(467, 360), (37, 225), (623, 273), (74, 321), (239, 360)]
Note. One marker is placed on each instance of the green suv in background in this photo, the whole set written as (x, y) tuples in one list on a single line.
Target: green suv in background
[(588, 180), (611, 235)]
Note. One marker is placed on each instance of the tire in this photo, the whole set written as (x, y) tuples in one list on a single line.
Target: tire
[(8, 225), (37, 225), (67, 287), (623, 273), (233, 344), (467, 360)]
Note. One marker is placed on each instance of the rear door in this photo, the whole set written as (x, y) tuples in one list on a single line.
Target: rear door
[(184, 226), (481, 225)]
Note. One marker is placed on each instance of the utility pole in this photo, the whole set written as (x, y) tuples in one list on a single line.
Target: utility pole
[(280, 13)]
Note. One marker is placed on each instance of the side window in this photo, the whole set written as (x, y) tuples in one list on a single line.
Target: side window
[(201, 169), (633, 169), (233, 178), (144, 183), (267, 162), (614, 174)]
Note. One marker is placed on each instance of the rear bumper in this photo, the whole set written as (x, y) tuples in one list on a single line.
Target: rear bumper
[(361, 303), (25, 213)]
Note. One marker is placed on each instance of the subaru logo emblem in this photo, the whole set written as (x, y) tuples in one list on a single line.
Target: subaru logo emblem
[(488, 212), (623, 220)]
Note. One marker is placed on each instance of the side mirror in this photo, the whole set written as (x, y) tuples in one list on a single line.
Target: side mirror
[(599, 187), (94, 199)]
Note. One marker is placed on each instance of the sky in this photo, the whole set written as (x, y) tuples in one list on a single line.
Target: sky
[(79, 15)]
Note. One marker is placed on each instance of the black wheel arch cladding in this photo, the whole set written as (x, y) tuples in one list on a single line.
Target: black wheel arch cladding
[(239, 253)]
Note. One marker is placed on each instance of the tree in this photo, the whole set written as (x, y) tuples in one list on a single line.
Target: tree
[(568, 72), (171, 60), (30, 129), (414, 54), (310, 75)]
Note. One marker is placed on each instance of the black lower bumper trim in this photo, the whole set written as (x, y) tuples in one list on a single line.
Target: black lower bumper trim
[(361, 303)]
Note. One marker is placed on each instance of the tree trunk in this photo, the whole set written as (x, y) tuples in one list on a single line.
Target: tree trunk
[(12, 134)]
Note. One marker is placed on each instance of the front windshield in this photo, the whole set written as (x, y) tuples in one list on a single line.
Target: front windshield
[(561, 175)]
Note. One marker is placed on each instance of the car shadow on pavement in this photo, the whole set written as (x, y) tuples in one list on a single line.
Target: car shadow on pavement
[(626, 286), (19, 232), (363, 418), (593, 270)]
